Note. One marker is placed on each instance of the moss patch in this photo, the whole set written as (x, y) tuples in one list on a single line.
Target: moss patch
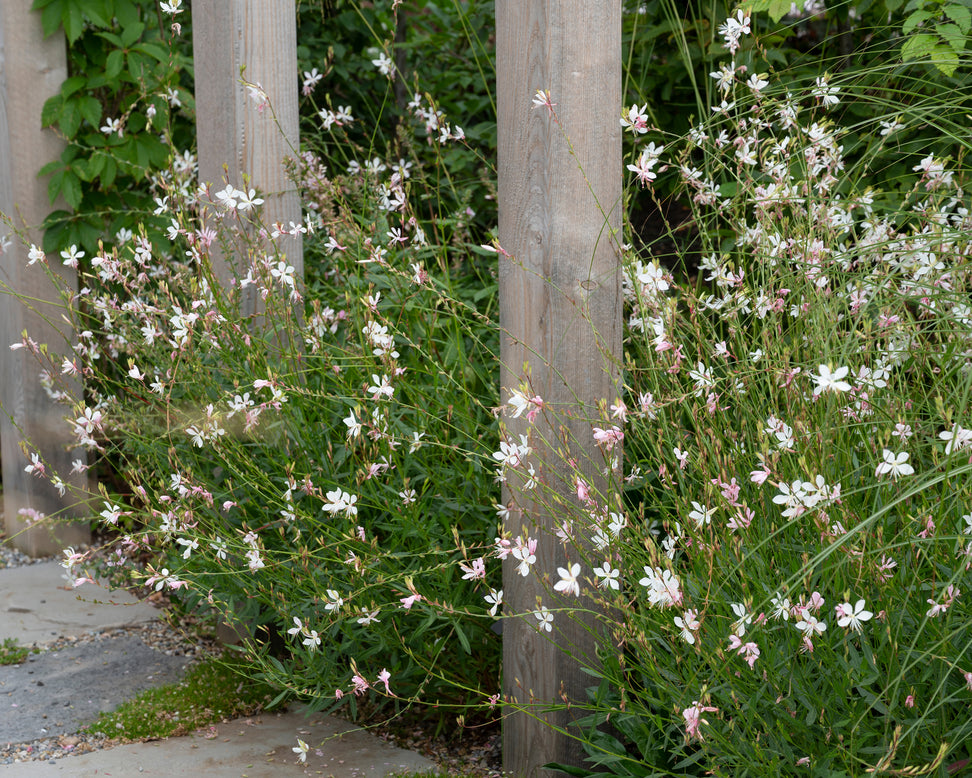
[(210, 692)]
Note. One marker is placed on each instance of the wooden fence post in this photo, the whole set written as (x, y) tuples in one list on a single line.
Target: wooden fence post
[(31, 70), (235, 132), (560, 313)]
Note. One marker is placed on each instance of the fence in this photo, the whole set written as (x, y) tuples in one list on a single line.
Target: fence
[(552, 218)]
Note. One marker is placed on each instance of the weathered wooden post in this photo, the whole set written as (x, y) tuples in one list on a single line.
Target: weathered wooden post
[(561, 311), (31, 70), (236, 133)]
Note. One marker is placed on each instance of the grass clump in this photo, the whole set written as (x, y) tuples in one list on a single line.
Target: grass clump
[(212, 691), (12, 653)]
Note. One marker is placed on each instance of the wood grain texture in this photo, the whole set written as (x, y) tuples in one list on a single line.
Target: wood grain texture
[(561, 312), (235, 137), (31, 70)]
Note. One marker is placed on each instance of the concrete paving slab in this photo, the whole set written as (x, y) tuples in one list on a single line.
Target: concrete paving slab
[(38, 605), (260, 747), (56, 692)]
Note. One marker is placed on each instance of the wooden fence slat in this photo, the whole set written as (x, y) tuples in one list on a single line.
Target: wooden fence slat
[(31, 70), (560, 312), (234, 134)]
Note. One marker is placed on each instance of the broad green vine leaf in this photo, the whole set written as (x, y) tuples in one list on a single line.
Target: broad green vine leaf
[(918, 46), (952, 35), (51, 18), (960, 15), (72, 19), (945, 59), (914, 20)]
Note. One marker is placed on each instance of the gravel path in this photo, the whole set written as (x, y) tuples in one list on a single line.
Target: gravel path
[(476, 754)]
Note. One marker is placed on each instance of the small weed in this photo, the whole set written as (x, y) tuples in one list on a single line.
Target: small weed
[(210, 692), (12, 653)]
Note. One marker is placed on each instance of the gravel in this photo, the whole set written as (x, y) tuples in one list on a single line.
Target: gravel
[(475, 753)]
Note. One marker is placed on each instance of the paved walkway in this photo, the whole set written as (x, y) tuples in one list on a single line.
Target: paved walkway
[(90, 677)]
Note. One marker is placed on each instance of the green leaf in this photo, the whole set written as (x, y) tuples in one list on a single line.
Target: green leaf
[(114, 63), (96, 163), (51, 19), (72, 85), (70, 118), (96, 11), (50, 167), (126, 12), (54, 185), (91, 110), (778, 9), (945, 59), (463, 640), (960, 15), (73, 20), (51, 110), (71, 189), (952, 35), (132, 33), (918, 46), (914, 20), (109, 173)]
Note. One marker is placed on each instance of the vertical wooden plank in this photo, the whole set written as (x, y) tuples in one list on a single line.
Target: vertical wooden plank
[(561, 311), (31, 70), (235, 135)]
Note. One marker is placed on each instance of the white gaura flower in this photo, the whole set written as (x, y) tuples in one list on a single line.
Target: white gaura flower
[(830, 380), (301, 750), (568, 583), (608, 577), (688, 623), (852, 618), (895, 465)]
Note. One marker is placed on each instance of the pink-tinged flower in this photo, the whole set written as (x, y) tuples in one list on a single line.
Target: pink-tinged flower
[(36, 467), (635, 119), (910, 701), (681, 456), (360, 685), (693, 719), (542, 98), (384, 677), (526, 553), (742, 519), (689, 624), (948, 597), (408, 602), (583, 492), (475, 571), (608, 438), (748, 651), (664, 589), (852, 617)]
